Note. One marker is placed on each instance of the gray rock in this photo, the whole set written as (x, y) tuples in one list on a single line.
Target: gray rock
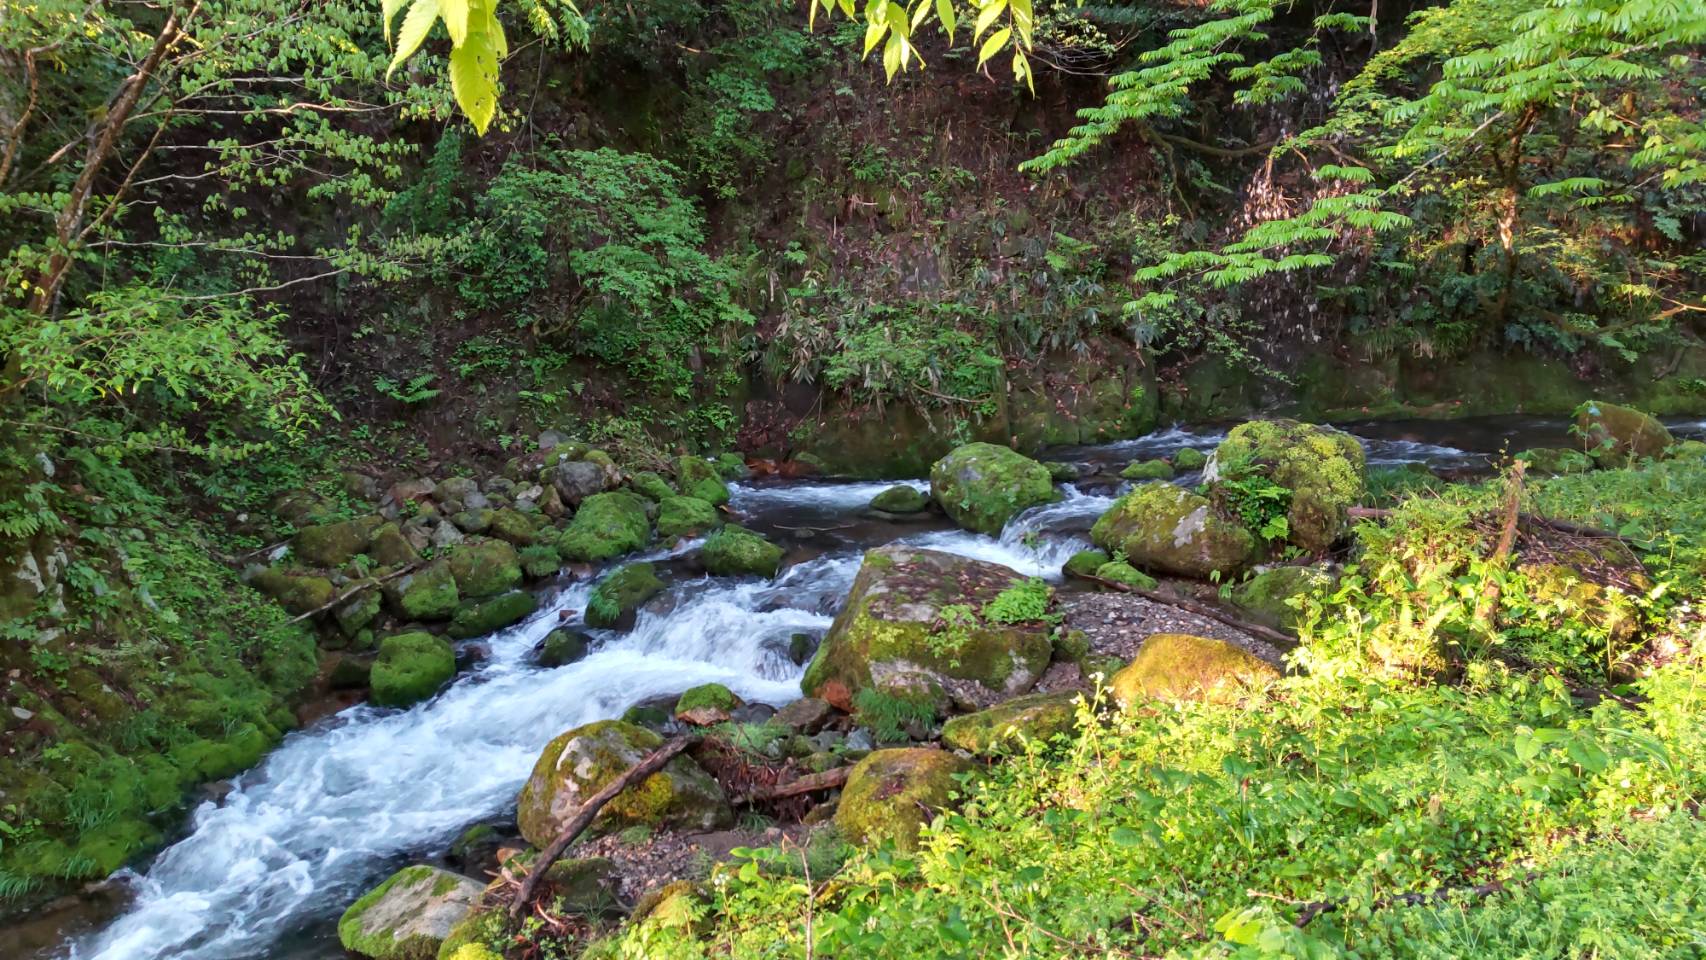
[(416, 908), (577, 480), (446, 534), (551, 439), (807, 714)]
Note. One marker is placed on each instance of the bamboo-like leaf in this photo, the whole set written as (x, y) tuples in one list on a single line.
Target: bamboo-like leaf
[(993, 45), (945, 13), (987, 16)]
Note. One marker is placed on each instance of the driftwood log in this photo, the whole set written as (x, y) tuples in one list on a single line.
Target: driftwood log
[(811, 783), (652, 763)]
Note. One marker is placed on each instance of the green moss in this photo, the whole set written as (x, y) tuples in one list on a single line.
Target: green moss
[(1036, 717), (354, 615), (651, 486), (891, 794), (1119, 571), (477, 618), (606, 526), (1061, 472), (540, 560), (1555, 461), (1085, 563), (731, 466), (390, 548), (734, 552), (900, 499), (697, 477), (982, 486), (621, 593), (560, 647), (1616, 434), (427, 594), (713, 695), (296, 591), (1169, 530), (410, 668), (1177, 666), (409, 916), (514, 526), (686, 517), (1265, 596), (334, 544), (484, 567), (1322, 467), (1187, 459), (1148, 470)]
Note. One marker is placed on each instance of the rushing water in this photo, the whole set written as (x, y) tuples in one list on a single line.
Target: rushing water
[(266, 871)]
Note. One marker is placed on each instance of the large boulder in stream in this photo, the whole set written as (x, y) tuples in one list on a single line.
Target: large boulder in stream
[(1617, 434), (698, 477), (409, 915), (583, 761), (738, 552), (981, 485), (617, 597), (1323, 469), (410, 668), (1170, 530), (484, 567), (607, 525), (920, 612)]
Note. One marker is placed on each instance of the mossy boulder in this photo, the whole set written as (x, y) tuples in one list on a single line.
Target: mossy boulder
[(484, 567), (1148, 470), (1617, 434), (606, 526), (892, 794), (390, 548), (575, 481), (1324, 469), (707, 705), (686, 517), (1555, 461), (651, 486), (698, 477), (410, 668), (296, 591), (732, 466), (514, 526), (427, 594), (736, 552), (1178, 666), (1085, 563), (901, 499), (334, 544), (581, 762), (1264, 596), (355, 614), (476, 618), (616, 598), (981, 485), (1004, 727), (1187, 459), (1171, 530), (560, 647), (1118, 571), (1061, 472), (409, 915), (920, 612), (540, 560)]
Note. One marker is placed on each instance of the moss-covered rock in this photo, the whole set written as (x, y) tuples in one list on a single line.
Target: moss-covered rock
[(390, 548), (892, 794), (1322, 467), (1187, 459), (698, 477), (409, 915), (651, 486), (1178, 666), (1061, 472), (981, 485), (1118, 571), (540, 560), (1687, 450), (737, 552), (1171, 530), (707, 705), (919, 611), (900, 499), (579, 763), (476, 618), (296, 591), (1085, 563), (1617, 434), (334, 544), (1148, 470), (560, 647), (1555, 461), (514, 526), (1264, 596), (410, 668), (732, 466), (686, 517), (1004, 727), (484, 567), (616, 598), (357, 613), (606, 526), (427, 594)]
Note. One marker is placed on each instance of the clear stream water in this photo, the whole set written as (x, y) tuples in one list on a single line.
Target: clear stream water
[(266, 871)]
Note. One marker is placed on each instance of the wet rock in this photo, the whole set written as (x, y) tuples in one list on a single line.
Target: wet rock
[(734, 552), (731, 466), (894, 623), (801, 646), (1178, 666), (1004, 728), (614, 601), (477, 618), (1618, 434), (607, 525), (561, 646), (579, 763), (707, 705), (807, 715), (1170, 530), (891, 794), (1322, 467), (686, 517), (1061, 472), (410, 668), (1187, 459), (982, 486), (409, 915), (697, 477), (901, 499), (1148, 470)]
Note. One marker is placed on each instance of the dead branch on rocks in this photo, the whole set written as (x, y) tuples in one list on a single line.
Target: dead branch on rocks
[(1487, 607), (1525, 519), (811, 783), (652, 763), (364, 585), (1284, 640)]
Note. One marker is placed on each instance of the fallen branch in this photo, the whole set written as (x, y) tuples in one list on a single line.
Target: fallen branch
[(1487, 607), (827, 780), (1200, 609), (365, 585), (1529, 519), (1316, 908), (583, 817)]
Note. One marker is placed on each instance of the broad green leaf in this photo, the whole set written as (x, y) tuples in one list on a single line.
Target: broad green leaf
[(474, 79), (987, 16), (945, 13), (993, 45), (389, 11), (416, 24), (455, 14)]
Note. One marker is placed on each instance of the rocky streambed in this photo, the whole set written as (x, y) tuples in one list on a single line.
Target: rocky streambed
[(267, 869)]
